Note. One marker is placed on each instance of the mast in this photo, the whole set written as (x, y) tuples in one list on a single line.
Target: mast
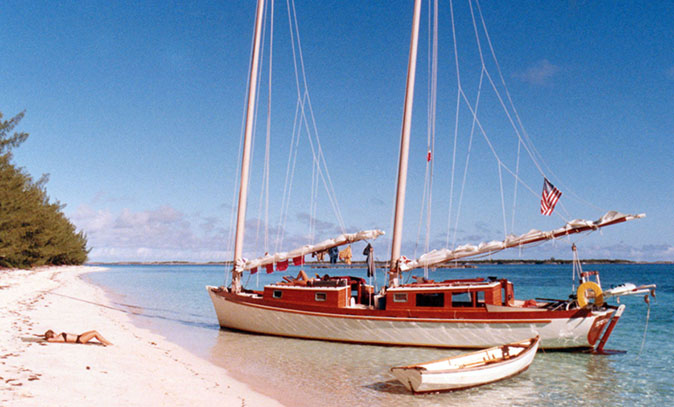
[(404, 148), (237, 271)]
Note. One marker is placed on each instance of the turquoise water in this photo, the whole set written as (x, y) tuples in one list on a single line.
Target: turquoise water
[(172, 301)]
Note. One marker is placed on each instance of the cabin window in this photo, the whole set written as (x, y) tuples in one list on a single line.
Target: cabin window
[(479, 298), (321, 296), (462, 299), (277, 294), (431, 300), (400, 297)]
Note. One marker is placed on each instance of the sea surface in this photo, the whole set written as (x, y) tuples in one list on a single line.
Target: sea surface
[(172, 301)]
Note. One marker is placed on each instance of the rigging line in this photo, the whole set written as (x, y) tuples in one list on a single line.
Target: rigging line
[(433, 123), (512, 104), (325, 175), (648, 317), (484, 135), (528, 142), (292, 173), (569, 191), (562, 208), (484, 69), (425, 200), (500, 181), (465, 169), (429, 73), (479, 45), (330, 191), (428, 136), (521, 181), (421, 210), (264, 187), (498, 94), (505, 109), (268, 149), (312, 201), (291, 179), (512, 123), (315, 204), (498, 69), (331, 198), (285, 185), (319, 157), (281, 220), (252, 148), (456, 120), (517, 171)]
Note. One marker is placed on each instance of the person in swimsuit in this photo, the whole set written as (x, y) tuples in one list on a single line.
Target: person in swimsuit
[(85, 337)]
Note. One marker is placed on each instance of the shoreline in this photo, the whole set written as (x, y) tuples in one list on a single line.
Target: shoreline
[(140, 368)]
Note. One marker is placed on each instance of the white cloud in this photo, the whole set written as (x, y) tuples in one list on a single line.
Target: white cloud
[(322, 227), (165, 234), (541, 73), (159, 234)]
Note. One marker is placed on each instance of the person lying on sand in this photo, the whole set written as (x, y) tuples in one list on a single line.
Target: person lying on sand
[(85, 337)]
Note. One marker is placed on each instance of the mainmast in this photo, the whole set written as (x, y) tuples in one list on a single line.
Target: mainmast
[(237, 271), (404, 148)]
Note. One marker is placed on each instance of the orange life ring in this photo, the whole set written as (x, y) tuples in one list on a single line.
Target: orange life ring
[(583, 297)]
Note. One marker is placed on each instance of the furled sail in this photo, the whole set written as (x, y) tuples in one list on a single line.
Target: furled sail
[(346, 238), (534, 236)]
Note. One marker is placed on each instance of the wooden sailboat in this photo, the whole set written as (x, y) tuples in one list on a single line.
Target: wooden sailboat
[(473, 313), (468, 370)]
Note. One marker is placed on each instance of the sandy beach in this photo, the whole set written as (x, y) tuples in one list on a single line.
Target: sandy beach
[(140, 368)]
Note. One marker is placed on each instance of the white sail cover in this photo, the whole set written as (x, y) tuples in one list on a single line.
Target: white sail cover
[(533, 236), (346, 238)]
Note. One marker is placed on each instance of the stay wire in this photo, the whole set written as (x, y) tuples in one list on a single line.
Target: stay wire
[(297, 54)]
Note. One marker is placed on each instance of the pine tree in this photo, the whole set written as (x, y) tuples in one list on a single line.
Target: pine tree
[(33, 230)]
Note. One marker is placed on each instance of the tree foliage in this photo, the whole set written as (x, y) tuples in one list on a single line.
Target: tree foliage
[(33, 230)]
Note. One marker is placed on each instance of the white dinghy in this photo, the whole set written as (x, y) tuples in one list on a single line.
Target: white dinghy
[(468, 370)]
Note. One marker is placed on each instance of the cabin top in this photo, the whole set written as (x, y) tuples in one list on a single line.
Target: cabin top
[(452, 286), (346, 291)]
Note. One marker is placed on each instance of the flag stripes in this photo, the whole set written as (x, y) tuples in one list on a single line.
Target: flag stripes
[(549, 197)]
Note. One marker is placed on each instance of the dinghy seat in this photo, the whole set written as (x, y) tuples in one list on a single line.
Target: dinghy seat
[(505, 350)]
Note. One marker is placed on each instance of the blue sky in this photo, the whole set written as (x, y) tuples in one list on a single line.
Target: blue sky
[(135, 110)]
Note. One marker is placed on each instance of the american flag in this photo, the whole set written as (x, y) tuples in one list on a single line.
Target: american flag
[(549, 198)]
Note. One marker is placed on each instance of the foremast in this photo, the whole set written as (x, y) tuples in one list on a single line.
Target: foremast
[(404, 150), (237, 270)]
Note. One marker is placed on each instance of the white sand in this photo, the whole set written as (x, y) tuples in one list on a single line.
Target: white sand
[(139, 369)]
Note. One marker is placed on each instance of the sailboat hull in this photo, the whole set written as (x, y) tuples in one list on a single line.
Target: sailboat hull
[(558, 330)]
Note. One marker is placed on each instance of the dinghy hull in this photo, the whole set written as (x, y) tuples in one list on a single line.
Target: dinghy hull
[(465, 371)]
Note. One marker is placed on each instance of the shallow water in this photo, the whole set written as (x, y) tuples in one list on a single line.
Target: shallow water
[(172, 301)]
